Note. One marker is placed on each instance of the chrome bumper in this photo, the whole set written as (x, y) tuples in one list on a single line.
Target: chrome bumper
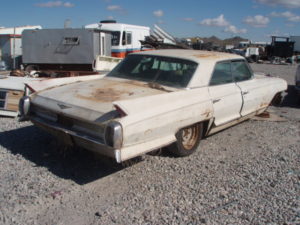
[(70, 137)]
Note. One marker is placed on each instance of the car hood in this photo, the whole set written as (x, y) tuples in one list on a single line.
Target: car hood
[(90, 100)]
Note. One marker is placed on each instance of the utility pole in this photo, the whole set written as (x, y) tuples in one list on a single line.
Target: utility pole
[(14, 49)]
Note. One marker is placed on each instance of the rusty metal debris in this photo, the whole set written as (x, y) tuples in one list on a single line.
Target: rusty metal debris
[(17, 73), (269, 116)]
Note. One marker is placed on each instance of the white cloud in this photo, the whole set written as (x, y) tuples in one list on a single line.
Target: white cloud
[(257, 21), (232, 29), (114, 8), (53, 4), (188, 19), (283, 3), (215, 22), (291, 17), (158, 13), (68, 4), (220, 21)]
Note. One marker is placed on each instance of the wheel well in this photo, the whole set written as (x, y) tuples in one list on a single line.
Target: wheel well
[(205, 128), (277, 99)]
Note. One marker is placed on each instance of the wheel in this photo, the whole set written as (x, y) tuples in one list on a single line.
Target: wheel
[(188, 140)]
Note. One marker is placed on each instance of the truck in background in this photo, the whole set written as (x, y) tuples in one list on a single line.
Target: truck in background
[(125, 38), (296, 40)]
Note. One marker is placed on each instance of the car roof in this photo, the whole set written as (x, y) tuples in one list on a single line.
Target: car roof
[(198, 56)]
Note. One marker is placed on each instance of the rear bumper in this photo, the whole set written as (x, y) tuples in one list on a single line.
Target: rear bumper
[(70, 137)]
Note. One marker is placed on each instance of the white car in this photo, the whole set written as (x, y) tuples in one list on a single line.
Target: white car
[(153, 99)]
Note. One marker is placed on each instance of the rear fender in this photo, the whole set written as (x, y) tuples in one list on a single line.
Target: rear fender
[(162, 115)]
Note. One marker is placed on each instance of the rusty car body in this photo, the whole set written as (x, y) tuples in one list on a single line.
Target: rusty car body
[(153, 99)]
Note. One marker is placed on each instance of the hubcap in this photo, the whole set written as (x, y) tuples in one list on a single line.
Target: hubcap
[(189, 137)]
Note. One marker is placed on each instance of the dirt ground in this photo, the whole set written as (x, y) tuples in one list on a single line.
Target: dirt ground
[(247, 174)]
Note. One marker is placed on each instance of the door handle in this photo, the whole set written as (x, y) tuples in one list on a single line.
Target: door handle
[(216, 100), (245, 92)]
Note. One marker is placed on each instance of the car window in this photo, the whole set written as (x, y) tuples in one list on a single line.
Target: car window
[(222, 74), (167, 71), (240, 71)]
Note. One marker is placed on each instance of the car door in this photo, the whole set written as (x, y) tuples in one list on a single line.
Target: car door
[(225, 94), (252, 91)]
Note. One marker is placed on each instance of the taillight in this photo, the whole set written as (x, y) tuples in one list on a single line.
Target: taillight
[(114, 135)]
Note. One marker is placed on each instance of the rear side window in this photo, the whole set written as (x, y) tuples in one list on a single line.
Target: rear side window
[(222, 74), (240, 71)]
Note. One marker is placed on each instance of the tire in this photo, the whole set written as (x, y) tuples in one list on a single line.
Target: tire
[(188, 140), (29, 68)]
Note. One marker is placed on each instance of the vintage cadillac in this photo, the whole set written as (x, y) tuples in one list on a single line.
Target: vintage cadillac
[(153, 99)]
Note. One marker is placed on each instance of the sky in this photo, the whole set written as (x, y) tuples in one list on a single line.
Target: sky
[(256, 20)]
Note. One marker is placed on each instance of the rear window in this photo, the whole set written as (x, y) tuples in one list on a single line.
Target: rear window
[(167, 71)]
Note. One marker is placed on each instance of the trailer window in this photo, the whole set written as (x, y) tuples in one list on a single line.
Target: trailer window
[(71, 41), (2, 99), (128, 38), (115, 38), (167, 71)]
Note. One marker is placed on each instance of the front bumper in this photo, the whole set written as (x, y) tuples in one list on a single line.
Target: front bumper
[(71, 138)]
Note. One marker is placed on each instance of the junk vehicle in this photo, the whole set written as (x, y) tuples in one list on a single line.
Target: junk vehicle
[(153, 99), (160, 39), (125, 37), (281, 47), (11, 91), (67, 52)]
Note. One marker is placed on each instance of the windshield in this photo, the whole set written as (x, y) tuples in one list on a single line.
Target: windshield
[(167, 71)]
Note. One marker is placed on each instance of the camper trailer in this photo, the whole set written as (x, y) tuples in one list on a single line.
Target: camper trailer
[(68, 52), (125, 37)]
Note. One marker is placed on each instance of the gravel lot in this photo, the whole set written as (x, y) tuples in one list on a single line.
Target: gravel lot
[(247, 174)]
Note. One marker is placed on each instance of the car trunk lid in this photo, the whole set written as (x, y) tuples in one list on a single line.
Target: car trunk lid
[(93, 100)]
